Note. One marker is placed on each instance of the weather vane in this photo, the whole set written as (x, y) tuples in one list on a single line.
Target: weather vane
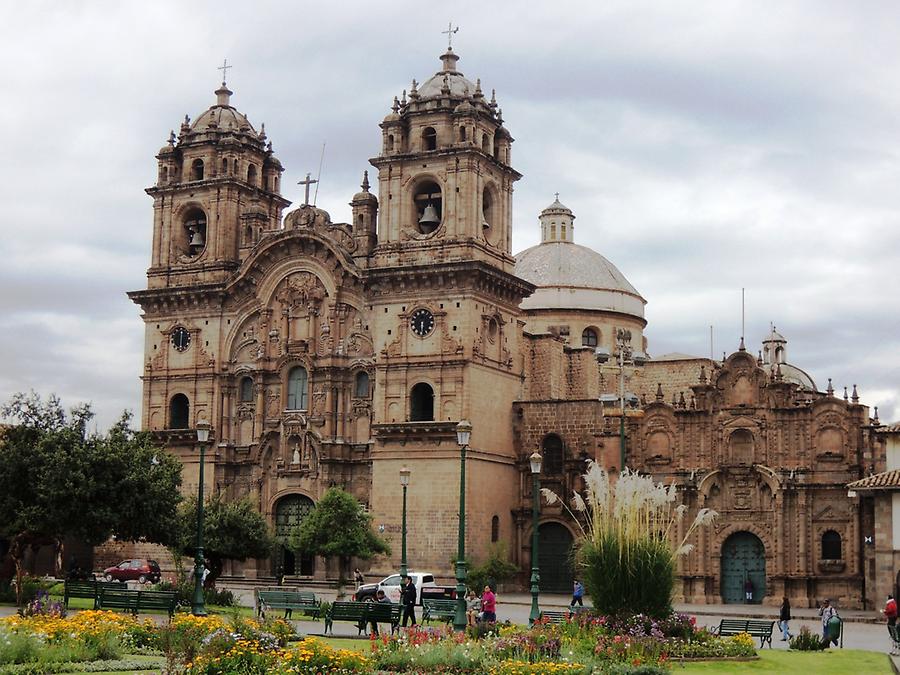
[(224, 68), (449, 33)]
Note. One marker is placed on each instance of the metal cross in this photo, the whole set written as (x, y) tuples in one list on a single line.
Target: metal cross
[(557, 196), (309, 181), (224, 68), (449, 33)]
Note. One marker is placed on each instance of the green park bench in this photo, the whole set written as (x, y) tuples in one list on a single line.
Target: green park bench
[(758, 628), (361, 613), (87, 589), (558, 616), (302, 601), (138, 601), (444, 610)]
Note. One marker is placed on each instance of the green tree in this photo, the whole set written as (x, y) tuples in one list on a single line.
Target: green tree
[(495, 569), (338, 526), (57, 480), (232, 530)]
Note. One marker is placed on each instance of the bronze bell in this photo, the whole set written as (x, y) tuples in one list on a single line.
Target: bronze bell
[(197, 237), (429, 220)]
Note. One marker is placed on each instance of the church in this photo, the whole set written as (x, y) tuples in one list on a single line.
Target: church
[(327, 354)]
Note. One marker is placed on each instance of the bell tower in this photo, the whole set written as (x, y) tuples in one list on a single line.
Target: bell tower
[(218, 191), (444, 305)]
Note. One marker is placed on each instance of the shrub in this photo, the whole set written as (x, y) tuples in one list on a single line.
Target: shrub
[(806, 641)]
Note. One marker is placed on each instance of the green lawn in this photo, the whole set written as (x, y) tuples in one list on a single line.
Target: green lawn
[(777, 662)]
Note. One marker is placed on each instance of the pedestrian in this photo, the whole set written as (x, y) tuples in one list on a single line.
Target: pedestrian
[(473, 608), (829, 635), (890, 614), (488, 606), (358, 576), (408, 597), (381, 597), (577, 594), (783, 617), (748, 590)]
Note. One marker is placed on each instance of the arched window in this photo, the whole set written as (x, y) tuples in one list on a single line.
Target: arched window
[(195, 231), (486, 143), (428, 193), (234, 167), (179, 412), (163, 174), (224, 166), (251, 174), (421, 403), (588, 337), (831, 546), (462, 133), (361, 390), (390, 143), (247, 390), (296, 388), (552, 450), (429, 139), (495, 528), (197, 169)]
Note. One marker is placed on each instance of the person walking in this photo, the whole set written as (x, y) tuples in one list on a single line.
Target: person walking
[(827, 612), (488, 606), (577, 594), (783, 617), (408, 597), (748, 590), (890, 614), (358, 577)]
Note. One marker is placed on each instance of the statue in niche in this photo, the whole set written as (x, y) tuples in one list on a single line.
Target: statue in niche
[(295, 459)]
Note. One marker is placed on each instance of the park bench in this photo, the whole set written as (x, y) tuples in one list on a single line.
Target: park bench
[(557, 616), (361, 613), (302, 601), (445, 610), (87, 589), (759, 628), (137, 601)]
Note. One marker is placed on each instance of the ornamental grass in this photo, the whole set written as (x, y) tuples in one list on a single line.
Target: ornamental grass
[(625, 552)]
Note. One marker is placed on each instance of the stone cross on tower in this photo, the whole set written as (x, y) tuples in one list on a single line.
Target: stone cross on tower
[(224, 68), (309, 181), (449, 33)]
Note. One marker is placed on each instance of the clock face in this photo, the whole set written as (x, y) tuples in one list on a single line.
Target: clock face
[(181, 338), (422, 322)]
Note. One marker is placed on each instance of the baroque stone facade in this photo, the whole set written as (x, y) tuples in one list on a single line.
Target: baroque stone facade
[(333, 354)]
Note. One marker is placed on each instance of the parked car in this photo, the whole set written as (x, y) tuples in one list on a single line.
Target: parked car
[(391, 586), (134, 570)]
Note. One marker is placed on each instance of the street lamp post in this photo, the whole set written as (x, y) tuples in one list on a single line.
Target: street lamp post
[(404, 481), (535, 461), (625, 356), (199, 606), (463, 431)]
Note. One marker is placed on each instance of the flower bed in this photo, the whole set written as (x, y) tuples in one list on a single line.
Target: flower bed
[(216, 646)]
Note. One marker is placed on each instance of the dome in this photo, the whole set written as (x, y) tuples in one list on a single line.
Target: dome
[(795, 375), (448, 77), (557, 208), (570, 276), (223, 116)]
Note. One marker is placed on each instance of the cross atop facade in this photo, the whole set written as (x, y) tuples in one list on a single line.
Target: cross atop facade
[(309, 181), (224, 68), (449, 33), (557, 196)]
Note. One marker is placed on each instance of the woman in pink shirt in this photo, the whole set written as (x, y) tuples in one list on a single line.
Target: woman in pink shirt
[(488, 605)]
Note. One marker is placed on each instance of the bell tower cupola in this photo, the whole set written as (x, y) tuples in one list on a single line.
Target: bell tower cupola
[(218, 192), (444, 173), (557, 223)]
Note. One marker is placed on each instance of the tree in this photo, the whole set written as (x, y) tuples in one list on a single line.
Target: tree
[(338, 526), (57, 480), (232, 530)]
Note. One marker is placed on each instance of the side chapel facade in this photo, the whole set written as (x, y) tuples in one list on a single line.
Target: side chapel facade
[(333, 354)]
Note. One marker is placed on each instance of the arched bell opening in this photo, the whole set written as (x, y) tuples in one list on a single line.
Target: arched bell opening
[(428, 203)]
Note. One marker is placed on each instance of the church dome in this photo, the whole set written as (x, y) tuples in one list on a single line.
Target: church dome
[(448, 81), (570, 276), (794, 374), (223, 116)]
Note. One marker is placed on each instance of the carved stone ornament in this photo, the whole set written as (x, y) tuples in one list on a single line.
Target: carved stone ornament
[(301, 294)]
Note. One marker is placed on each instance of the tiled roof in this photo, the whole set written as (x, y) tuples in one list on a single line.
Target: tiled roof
[(886, 480), (889, 428)]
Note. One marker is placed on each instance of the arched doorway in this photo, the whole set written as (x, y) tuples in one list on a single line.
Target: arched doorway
[(289, 513), (555, 558), (743, 557)]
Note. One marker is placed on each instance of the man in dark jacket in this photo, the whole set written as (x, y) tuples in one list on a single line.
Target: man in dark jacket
[(408, 597)]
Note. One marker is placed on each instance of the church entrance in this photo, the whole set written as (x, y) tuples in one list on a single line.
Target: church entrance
[(555, 558), (289, 513), (743, 558)]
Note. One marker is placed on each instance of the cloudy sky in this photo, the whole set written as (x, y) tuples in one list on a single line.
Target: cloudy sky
[(704, 147)]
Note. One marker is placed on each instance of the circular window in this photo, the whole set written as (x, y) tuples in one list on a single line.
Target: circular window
[(493, 329)]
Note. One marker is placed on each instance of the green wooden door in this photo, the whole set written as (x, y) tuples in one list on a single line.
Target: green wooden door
[(289, 513), (554, 558), (743, 557)]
